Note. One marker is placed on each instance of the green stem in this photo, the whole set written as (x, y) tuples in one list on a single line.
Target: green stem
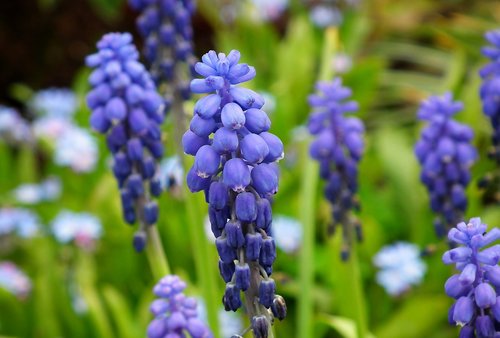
[(357, 293), (203, 260), (156, 255), (307, 218)]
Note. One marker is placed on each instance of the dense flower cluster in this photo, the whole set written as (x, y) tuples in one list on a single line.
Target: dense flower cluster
[(166, 28), (81, 228), (31, 193), (14, 280), (477, 306), (338, 146), (21, 222), (400, 267), (490, 88), (126, 107), (13, 127), (446, 155), (175, 314), (76, 148), (235, 166)]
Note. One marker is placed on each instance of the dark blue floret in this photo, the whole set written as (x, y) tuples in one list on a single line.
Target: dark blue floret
[(338, 147), (477, 306), (446, 155), (235, 157), (126, 107)]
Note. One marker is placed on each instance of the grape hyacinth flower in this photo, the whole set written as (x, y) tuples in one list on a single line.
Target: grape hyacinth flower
[(14, 280), (54, 102), (338, 147), (13, 128), (126, 107), (81, 228), (475, 287), (235, 165), (400, 267), (19, 221), (175, 314), (491, 87), (165, 26), (446, 155)]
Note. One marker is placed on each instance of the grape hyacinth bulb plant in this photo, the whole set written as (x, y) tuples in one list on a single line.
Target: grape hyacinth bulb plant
[(165, 26), (235, 165), (446, 155), (338, 147), (477, 306), (175, 314), (126, 107)]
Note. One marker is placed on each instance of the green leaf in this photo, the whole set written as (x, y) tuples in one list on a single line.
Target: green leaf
[(344, 326), (120, 311)]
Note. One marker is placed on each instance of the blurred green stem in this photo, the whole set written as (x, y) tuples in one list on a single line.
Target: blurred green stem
[(156, 255), (357, 292), (307, 218)]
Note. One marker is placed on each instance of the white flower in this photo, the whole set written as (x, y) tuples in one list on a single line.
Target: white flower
[(400, 267), (14, 280), (23, 222), (51, 127), (83, 228), (76, 148), (324, 16), (54, 102), (47, 190), (287, 232), (269, 9)]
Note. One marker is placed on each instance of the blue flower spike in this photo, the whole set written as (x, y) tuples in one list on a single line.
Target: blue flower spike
[(477, 306), (128, 110), (235, 165)]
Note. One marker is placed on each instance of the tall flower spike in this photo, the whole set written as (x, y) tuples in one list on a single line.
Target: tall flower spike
[(126, 107), (477, 306), (165, 26), (446, 155), (175, 314), (491, 87), (338, 147), (235, 166)]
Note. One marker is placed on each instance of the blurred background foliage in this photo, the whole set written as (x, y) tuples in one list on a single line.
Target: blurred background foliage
[(401, 52)]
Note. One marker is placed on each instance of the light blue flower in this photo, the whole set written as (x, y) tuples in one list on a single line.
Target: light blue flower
[(54, 102), (76, 148), (341, 63), (14, 280), (51, 127), (47, 190), (22, 222), (287, 233), (13, 128), (323, 16), (82, 228), (400, 267)]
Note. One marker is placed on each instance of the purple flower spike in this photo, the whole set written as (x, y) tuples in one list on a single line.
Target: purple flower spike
[(338, 146), (126, 107), (475, 287), (446, 154), (174, 312), (235, 165)]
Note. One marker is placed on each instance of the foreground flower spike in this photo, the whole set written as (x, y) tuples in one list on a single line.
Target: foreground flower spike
[(401, 267), (338, 147), (235, 166), (165, 26), (491, 87), (477, 309), (126, 107), (175, 314), (446, 155)]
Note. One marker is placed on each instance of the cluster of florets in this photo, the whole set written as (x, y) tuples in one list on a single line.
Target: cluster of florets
[(175, 314), (15, 281), (166, 28), (490, 88), (235, 166), (126, 107), (338, 147), (446, 155), (13, 127), (477, 309)]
